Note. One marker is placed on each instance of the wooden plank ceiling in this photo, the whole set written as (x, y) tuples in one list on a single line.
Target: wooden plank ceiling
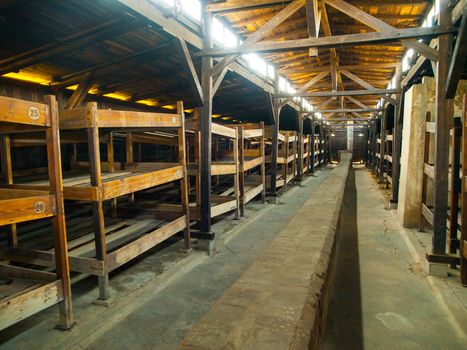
[(60, 43), (374, 64)]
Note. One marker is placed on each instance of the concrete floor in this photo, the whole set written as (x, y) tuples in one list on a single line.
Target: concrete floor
[(382, 298), (160, 296)]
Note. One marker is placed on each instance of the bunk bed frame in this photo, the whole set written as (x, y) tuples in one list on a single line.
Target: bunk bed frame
[(456, 237), (113, 244), (251, 157), (27, 291), (225, 163), (463, 196)]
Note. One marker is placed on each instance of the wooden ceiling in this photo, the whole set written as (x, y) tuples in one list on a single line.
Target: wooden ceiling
[(373, 63), (60, 43)]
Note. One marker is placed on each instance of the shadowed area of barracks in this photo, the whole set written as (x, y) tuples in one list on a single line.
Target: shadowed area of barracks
[(230, 174)]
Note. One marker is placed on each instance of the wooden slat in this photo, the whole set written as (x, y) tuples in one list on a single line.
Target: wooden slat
[(427, 213), (29, 303), (429, 170), (132, 250), (25, 209), (140, 181), (16, 111)]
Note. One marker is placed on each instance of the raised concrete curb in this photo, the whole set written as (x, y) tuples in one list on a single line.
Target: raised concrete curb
[(280, 302)]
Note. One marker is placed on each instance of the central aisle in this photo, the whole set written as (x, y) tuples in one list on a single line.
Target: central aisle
[(381, 298)]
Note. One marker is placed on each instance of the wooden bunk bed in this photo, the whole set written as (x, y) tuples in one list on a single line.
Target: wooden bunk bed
[(306, 154), (225, 167), (316, 152), (268, 160), (388, 159), (115, 241), (252, 176), (25, 290)]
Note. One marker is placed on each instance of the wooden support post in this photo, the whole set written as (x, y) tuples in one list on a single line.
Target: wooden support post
[(321, 150), (241, 175), (111, 166), (129, 159), (59, 227), (263, 164), (98, 211), (455, 184), (312, 145), (236, 175), (205, 121), (184, 180), (7, 178), (397, 139), (300, 148), (274, 111), (285, 171), (382, 163), (463, 237), (443, 125)]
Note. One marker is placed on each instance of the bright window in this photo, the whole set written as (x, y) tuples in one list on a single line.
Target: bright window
[(217, 31), (271, 72), (192, 8), (168, 2), (230, 39), (282, 84)]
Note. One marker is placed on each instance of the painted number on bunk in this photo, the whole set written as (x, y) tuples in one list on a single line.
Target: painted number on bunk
[(39, 207), (178, 173), (174, 120), (33, 113)]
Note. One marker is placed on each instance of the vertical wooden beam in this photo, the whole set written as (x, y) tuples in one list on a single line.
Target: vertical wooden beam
[(263, 164), (312, 145), (397, 139), (97, 208), (205, 120), (59, 227), (300, 147), (111, 167), (7, 178), (313, 18), (129, 158), (382, 136), (455, 182), (236, 175), (463, 237), (443, 124), (241, 176), (274, 111), (184, 180), (285, 171)]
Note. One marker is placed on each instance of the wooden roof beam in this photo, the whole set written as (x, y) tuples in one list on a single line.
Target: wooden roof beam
[(458, 59), (380, 25), (308, 85), (190, 70), (62, 46), (109, 68), (340, 93), (331, 42), (280, 17), (365, 84), (243, 5), (313, 18)]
